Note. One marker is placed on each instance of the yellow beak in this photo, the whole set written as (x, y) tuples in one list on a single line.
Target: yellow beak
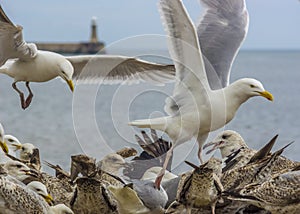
[(266, 95), (17, 146), (4, 147), (71, 85), (48, 198)]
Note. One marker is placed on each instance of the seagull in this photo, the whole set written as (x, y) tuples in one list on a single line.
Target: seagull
[(195, 108), (278, 195), (25, 63), (139, 196), (92, 196), (202, 187), (258, 170), (20, 171)]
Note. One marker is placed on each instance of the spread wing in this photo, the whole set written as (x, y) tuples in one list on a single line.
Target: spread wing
[(221, 32), (113, 69), (11, 41), (185, 51)]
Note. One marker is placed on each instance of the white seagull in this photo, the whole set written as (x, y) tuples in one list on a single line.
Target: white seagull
[(195, 108), (24, 62)]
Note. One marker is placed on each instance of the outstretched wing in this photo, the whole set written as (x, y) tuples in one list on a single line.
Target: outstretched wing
[(185, 51), (11, 41), (221, 32), (113, 69)]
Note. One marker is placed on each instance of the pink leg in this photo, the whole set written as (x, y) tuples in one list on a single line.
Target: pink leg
[(201, 140), (14, 85), (200, 155), (30, 96), (163, 170)]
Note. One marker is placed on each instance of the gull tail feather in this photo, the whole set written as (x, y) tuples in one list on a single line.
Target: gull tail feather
[(155, 123)]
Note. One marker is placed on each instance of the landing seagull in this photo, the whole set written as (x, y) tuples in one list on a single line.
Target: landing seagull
[(195, 108), (24, 62)]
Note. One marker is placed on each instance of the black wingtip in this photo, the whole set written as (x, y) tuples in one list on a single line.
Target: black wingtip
[(264, 151)]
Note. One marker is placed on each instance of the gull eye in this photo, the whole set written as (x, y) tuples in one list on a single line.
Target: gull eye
[(225, 136), (10, 140), (18, 165), (252, 86)]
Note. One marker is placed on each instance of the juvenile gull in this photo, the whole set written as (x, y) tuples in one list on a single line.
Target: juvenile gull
[(15, 197), (234, 149), (24, 62), (91, 196), (202, 187), (29, 154), (237, 153), (195, 109), (281, 194), (20, 171)]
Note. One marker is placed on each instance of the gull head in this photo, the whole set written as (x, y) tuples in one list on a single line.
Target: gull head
[(3, 144), (227, 141), (111, 163), (66, 71), (11, 140), (252, 87), (41, 190), (26, 150), (19, 170)]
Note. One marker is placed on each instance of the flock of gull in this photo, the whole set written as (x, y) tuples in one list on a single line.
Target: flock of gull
[(242, 181)]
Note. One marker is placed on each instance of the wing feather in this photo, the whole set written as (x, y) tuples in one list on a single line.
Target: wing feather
[(11, 41), (113, 69), (185, 52), (221, 32)]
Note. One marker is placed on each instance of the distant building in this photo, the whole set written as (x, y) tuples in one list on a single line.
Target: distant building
[(91, 47)]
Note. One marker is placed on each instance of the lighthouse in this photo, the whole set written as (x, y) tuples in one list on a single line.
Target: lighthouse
[(94, 38)]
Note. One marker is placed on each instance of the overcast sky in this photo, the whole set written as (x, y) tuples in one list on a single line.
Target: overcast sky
[(274, 24)]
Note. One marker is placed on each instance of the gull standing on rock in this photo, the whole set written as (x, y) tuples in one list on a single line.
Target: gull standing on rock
[(195, 109), (24, 62)]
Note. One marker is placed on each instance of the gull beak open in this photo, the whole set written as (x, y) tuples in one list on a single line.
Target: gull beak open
[(49, 199), (214, 144), (4, 147), (70, 84), (266, 95)]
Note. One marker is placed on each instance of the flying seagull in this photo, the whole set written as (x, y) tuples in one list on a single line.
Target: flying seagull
[(195, 108), (24, 62)]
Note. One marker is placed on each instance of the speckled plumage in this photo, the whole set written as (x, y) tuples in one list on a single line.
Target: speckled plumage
[(202, 187), (15, 197), (91, 197), (60, 189), (279, 195)]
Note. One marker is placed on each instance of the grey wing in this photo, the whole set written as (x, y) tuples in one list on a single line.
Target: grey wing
[(11, 41), (113, 69), (221, 32), (151, 197)]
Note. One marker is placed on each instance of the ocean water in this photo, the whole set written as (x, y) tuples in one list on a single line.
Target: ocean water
[(93, 120)]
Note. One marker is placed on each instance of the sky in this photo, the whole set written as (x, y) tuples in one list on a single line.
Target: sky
[(274, 24)]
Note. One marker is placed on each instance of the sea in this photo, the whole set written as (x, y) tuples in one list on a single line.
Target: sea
[(94, 119)]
